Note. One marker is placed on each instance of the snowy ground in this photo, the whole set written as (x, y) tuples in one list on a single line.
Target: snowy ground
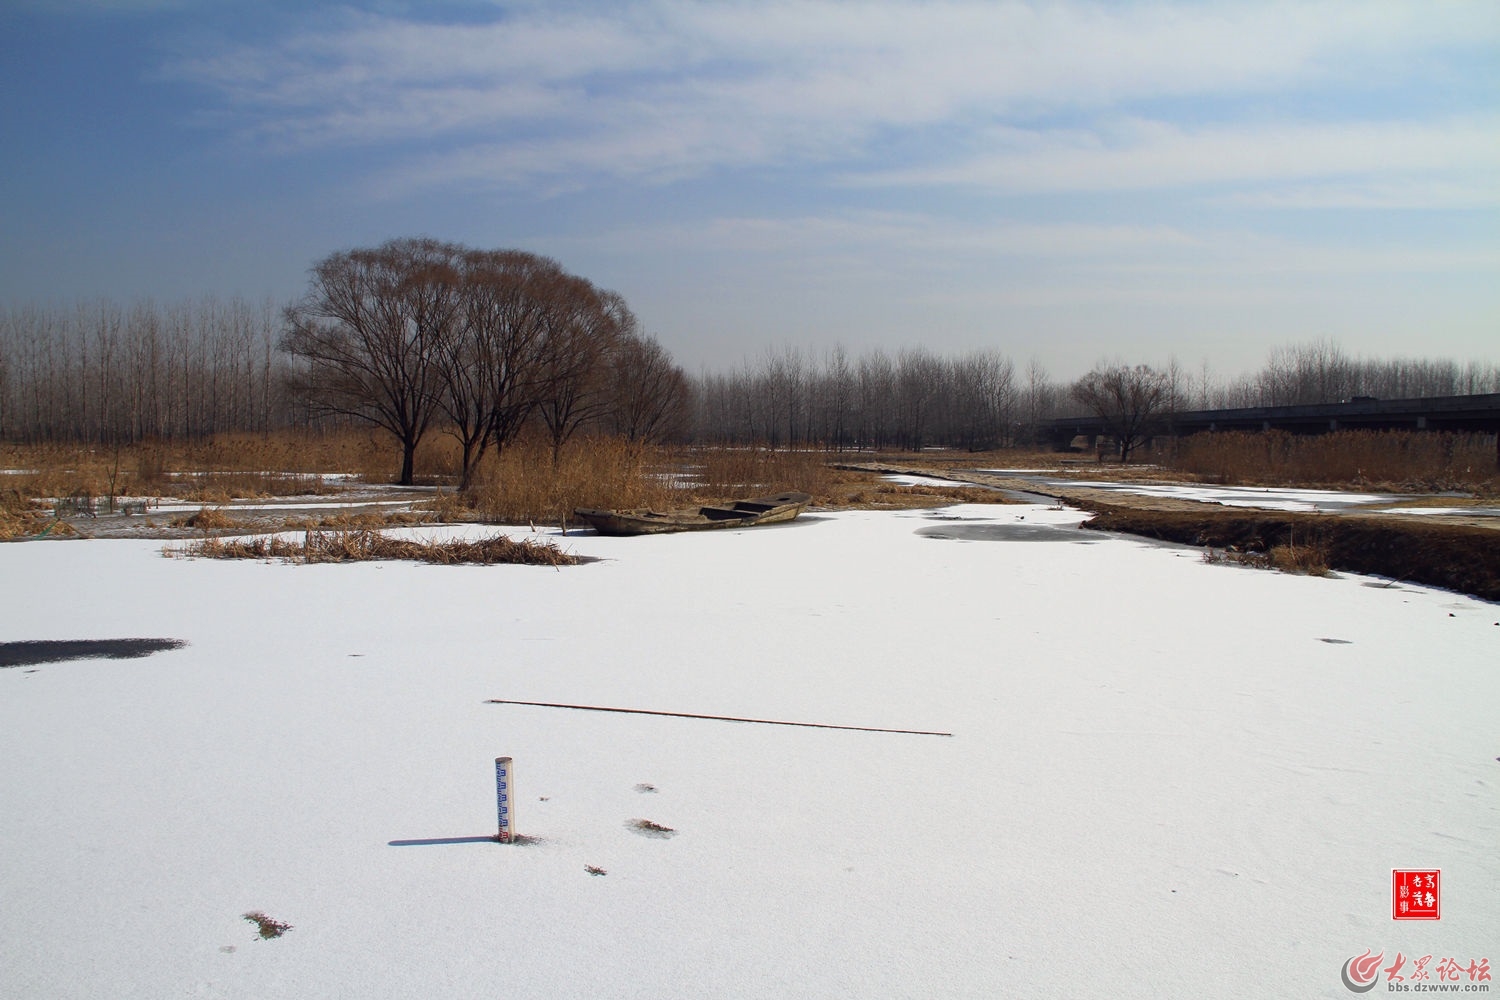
[(1165, 779), (1265, 498), (300, 503), (153, 520), (902, 479), (1445, 511), (1260, 497)]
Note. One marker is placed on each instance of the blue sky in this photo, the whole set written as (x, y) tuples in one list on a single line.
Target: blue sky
[(1064, 181)]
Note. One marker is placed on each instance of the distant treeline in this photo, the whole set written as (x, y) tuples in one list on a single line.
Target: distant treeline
[(979, 400), (101, 372), (912, 400), (1320, 372)]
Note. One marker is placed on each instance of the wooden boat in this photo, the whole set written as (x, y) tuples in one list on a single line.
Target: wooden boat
[(741, 514)]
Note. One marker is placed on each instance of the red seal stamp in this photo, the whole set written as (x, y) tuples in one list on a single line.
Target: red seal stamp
[(1416, 895)]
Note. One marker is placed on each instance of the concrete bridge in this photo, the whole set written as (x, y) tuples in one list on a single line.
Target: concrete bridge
[(1479, 414)]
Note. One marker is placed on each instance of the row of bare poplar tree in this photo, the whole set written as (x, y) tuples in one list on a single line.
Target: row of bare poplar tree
[(910, 400), (417, 335), (1321, 372), (917, 399), (102, 373)]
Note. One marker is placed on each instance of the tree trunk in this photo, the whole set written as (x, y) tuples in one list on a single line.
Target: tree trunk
[(408, 460), (466, 468)]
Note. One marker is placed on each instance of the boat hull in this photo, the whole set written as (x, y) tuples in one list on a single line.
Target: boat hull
[(741, 514)]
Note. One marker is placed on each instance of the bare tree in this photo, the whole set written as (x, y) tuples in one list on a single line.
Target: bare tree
[(369, 332), (584, 329), (920, 378), (837, 393), (1176, 381), (1039, 399), (489, 363), (8, 365), (1127, 399), (1205, 383), (877, 399), (983, 400), (416, 331), (718, 409), (650, 392), (782, 382)]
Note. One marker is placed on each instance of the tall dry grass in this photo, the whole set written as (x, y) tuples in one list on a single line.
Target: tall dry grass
[(519, 484), (210, 470), (522, 484), (364, 545), (1398, 459), (728, 472), (19, 517), (349, 451)]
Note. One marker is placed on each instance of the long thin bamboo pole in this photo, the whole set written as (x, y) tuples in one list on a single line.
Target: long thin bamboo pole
[(717, 718)]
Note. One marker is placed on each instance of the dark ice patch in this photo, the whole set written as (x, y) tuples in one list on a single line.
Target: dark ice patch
[(20, 654), (1016, 531)]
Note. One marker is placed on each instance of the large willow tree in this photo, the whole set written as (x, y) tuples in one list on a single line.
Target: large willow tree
[(416, 332), (368, 336)]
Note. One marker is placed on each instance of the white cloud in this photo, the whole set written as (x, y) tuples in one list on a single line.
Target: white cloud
[(1134, 154), (667, 88), (907, 257), (1481, 190), (909, 233)]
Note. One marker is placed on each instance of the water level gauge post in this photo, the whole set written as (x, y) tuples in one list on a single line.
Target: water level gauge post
[(505, 785)]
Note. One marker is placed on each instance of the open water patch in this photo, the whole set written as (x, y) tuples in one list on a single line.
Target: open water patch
[(1012, 532), (32, 651)]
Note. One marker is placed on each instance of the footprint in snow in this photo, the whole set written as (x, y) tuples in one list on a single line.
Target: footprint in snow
[(646, 828)]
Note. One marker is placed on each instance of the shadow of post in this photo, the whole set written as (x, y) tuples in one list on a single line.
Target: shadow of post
[(434, 841)]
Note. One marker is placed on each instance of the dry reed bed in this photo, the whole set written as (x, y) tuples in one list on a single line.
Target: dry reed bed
[(222, 519), (1402, 460), (19, 517), (212, 470), (523, 481), (1307, 560), (1455, 556), (522, 484), (364, 545), (893, 496)]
